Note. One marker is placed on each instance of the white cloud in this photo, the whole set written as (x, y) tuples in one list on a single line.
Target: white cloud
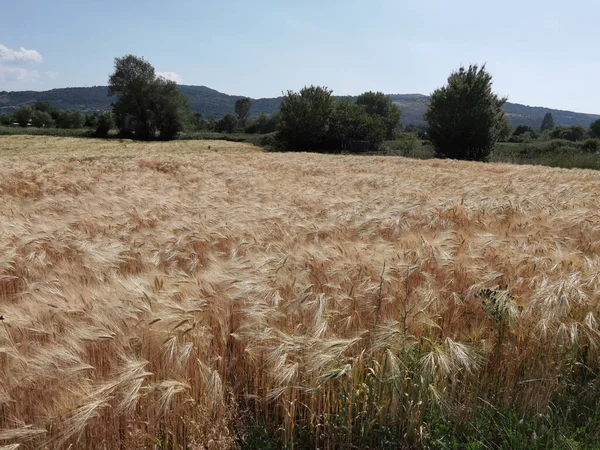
[(21, 55), (17, 74), (172, 76), (52, 75)]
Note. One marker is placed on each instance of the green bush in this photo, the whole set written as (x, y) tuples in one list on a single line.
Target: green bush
[(465, 116), (304, 118), (591, 145), (105, 123), (227, 124), (571, 133)]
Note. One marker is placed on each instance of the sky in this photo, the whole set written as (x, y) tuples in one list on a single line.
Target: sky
[(540, 53)]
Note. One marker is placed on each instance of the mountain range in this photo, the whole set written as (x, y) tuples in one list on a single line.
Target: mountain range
[(212, 103)]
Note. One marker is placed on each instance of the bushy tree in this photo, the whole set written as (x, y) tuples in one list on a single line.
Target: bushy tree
[(242, 109), (379, 104), (522, 129), (170, 108), (104, 124), (23, 115), (6, 119), (351, 122), (42, 119), (595, 128), (547, 122), (465, 116), (227, 124), (145, 103), (43, 107), (263, 124), (571, 133), (304, 118)]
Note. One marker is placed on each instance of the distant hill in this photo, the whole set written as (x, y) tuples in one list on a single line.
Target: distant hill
[(211, 103)]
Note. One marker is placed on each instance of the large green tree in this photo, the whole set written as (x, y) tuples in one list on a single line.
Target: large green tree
[(547, 122), (379, 104), (304, 118), (595, 128), (242, 109), (23, 115), (145, 103), (465, 116)]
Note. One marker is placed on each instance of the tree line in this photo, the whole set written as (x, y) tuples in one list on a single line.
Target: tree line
[(464, 119)]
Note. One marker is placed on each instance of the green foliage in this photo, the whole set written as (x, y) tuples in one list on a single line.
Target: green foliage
[(304, 118), (377, 104), (591, 145), (42, 119), (506, 129), (522, 129), (242, 109), (6, 119), (23, 115), (263, 124), (169, 108), (69, 119), (43, 107), (227, 124), (547, 122), (465, 116), (595, 128), (105, 123), (145, 104), (351, 122), (573, 133)]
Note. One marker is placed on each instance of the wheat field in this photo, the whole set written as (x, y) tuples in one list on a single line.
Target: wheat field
[(164, 295)]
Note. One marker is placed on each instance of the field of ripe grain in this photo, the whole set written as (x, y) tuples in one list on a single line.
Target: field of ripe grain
[(166, 295)]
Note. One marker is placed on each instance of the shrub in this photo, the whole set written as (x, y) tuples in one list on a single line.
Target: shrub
[(465, 116), (41, 119), (571, 133), (227, 124), (304, 118), (595, 128), (105, 123), (522, 129), (23, 115), (264, 124), (351, 122), (379, 105), (591, 145)]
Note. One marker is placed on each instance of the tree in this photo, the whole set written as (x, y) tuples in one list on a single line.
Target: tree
[(169, 107), (227, 124), (595, 128), (6, 119), (351, 122), (41, 119), (264, 124), (23, 115), (304, 118), (506, 129), (105, 124), (547, 122), (379, 104), (132, 83), (465, 116), (522, 129), (145, 103), (43, 107), (572, 133), (242, 109)]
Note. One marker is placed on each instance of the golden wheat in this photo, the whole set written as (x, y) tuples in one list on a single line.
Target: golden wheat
[(160, 294)]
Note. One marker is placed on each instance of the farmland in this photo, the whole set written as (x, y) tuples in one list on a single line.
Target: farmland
[(188, 294)]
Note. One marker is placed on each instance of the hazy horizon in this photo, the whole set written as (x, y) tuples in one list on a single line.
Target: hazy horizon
[(539, 53)]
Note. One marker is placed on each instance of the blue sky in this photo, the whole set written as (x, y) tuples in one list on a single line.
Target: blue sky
[(542, 53)]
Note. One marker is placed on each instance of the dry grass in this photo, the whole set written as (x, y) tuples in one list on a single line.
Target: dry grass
[(159, 294)]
